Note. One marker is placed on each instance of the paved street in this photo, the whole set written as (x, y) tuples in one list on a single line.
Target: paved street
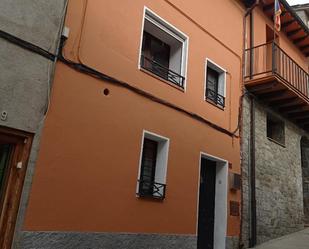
[(299, 240)]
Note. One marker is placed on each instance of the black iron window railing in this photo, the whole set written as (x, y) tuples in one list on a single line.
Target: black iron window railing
[(151, 189), (215, 97), (161, 71), (269, 59)]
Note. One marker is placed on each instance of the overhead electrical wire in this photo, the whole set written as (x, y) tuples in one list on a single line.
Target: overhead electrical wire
[(96, 74)]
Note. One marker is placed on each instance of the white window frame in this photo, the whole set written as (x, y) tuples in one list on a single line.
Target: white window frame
[(171, 30), (222, 76), (161, 160)]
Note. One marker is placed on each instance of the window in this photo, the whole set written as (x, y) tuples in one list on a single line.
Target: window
[(164, 50), (215, 84), (153, 164), (275, 129)]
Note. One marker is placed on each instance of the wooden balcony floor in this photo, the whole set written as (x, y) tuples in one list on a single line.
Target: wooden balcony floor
[(280, 96)]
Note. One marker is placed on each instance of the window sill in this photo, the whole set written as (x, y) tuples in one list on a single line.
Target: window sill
[(150, 197), (276, 142), (161, 79), (214, 104)]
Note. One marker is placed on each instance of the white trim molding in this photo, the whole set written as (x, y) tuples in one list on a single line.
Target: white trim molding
[(167, 32), (222, 77), (221, 199), (162, 157)]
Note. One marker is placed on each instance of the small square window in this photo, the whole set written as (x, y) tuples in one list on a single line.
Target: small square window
[(153, 166), (215, 84), (164, 50), (275, 129)]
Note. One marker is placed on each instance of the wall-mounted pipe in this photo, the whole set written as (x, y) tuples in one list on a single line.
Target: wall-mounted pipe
[(252, 226), (253, 234)]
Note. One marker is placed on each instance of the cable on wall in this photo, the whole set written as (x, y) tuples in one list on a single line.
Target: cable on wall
[(27, 45), (96, 74)]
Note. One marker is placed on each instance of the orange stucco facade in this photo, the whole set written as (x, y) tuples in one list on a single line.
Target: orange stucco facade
[(87, 169), (88, 164)]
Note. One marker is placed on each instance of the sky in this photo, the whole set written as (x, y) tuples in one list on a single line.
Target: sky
[(293, 2)]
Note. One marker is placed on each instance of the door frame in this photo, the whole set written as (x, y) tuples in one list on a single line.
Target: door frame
[(221, 199), (10, 200)]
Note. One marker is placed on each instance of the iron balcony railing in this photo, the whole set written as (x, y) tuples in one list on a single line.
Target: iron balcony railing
[(269, 59), (151, 189), (215, 97), (161, 71)]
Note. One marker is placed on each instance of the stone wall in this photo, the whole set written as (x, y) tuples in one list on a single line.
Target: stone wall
[(245, 156), (279, 195), (305, 171)]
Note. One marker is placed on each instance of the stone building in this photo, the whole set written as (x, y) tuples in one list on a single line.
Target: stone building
[(25, 81), (275, 167)]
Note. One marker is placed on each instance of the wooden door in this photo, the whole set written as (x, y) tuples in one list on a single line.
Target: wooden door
[(14, 153)]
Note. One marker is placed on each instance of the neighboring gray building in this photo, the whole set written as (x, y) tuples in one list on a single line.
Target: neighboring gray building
[(303, 11), (25, 82), (275, 130)]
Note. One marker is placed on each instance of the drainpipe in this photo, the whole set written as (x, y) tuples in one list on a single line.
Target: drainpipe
[(253, 235), (252, 226)]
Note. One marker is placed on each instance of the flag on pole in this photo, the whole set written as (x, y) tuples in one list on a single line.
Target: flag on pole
[(278, 12)]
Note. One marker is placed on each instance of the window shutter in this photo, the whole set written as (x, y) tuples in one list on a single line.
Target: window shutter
[(221, 84)]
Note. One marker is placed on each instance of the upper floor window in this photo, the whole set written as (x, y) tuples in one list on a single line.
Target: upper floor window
[(215, 84), (153, 165), (164, 50)]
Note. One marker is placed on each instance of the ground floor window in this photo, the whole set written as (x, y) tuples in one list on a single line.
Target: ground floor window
[(153, 166)]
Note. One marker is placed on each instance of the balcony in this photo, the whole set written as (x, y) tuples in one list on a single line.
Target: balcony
[(278, 81), (215, 97), (161, 71), (151, 189)]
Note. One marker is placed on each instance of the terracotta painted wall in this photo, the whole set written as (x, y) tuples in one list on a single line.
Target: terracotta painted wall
[(87, 168), (101, 39)]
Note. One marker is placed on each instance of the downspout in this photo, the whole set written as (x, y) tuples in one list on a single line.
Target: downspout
[(252, 226), (253, 234)]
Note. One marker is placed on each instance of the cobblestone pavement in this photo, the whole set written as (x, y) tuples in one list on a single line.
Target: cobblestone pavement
[(299, 240)]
